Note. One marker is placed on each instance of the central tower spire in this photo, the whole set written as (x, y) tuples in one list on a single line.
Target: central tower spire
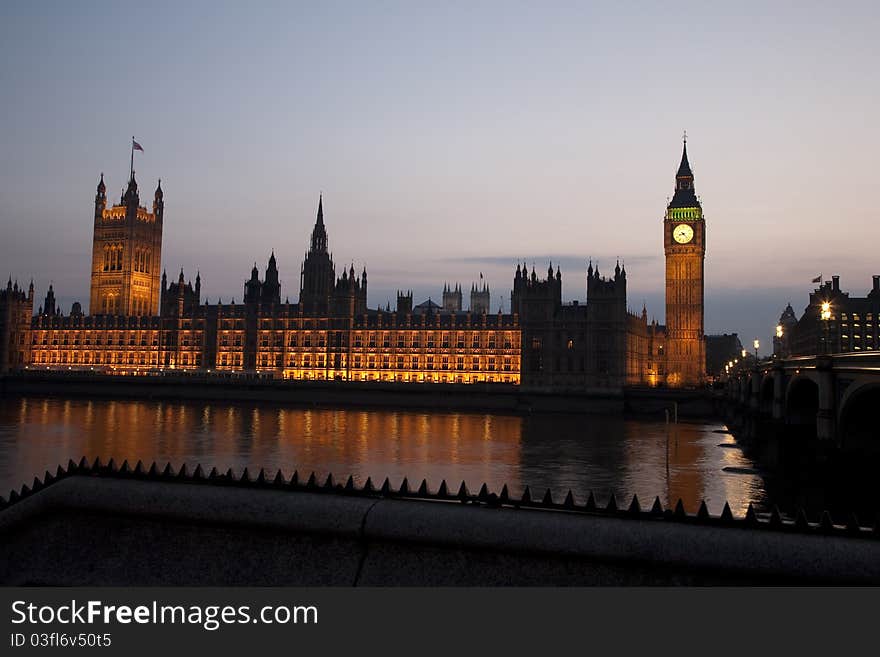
[(319, 233), (317, 274)]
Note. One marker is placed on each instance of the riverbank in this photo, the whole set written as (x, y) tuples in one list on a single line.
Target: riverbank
[(496, 397)]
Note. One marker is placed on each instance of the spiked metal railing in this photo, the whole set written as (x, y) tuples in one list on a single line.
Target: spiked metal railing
[(751, 520)]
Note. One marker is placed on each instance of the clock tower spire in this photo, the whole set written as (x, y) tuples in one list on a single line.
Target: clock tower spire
[(684, 239)]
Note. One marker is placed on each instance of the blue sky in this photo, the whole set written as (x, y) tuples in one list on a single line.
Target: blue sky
[(451, 139)]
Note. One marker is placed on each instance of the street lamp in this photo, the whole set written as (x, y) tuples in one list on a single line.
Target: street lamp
[(757, 344), (825, 314)]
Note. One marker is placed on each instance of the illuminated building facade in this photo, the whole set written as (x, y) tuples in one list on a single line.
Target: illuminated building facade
[(126, 253), (853, 324), (330, 334), (684, 240), (16, 309)]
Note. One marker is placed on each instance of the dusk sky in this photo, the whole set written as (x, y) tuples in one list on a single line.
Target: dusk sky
[(450, 139)]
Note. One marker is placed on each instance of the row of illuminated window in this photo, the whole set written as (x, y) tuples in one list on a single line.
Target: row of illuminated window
[(492, 364), (403, 377), (99, 338), (95, 358), (150, 338), (402, 340)]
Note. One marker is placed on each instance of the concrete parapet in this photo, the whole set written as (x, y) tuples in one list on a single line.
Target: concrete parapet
[(103, 525)]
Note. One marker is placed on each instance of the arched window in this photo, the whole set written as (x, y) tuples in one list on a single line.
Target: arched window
[(106, 257)]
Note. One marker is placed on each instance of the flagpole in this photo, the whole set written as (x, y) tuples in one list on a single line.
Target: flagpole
[(132, 158)]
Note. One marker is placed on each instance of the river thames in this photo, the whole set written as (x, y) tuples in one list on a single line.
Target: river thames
[(603, 454)]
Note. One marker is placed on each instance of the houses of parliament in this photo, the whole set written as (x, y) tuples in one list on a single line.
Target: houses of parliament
[(139, 322)]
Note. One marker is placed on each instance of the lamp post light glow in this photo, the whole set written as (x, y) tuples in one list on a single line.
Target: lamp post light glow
[(825, 315), (757, 344), (777, 342)]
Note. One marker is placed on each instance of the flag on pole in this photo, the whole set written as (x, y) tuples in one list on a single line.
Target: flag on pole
[(136, 146), (818, 279)]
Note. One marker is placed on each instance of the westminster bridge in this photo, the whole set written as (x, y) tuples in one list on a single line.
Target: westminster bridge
[(832, 398)]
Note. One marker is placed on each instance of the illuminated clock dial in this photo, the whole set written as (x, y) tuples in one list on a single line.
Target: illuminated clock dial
[(683, 233)]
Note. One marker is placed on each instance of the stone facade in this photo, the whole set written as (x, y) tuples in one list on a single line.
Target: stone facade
[(126, 253), (16, 309), (684, 230)]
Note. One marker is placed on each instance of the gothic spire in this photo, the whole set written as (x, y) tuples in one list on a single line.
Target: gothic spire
[(684, 169), (319, 233), (684, 196)]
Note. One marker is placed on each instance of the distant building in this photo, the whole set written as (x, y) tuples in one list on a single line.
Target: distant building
[(480, 298), (784, 331), (721, 350), (852, 325), (16, 310), (452, 298)]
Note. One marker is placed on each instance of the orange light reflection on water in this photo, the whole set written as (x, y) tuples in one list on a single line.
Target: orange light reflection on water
[(560, 452)]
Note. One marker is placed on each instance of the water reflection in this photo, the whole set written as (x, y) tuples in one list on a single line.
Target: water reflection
[(560, 452)]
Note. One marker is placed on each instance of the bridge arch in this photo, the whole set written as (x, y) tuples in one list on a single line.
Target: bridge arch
[(858, 428), (802, 404)]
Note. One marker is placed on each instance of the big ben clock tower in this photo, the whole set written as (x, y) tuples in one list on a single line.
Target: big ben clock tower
[(684, 241)]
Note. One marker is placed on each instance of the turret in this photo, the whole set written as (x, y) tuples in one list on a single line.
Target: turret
[(271, 291), (404, 302), (49, 303), (130, 198), (100, 199), (158, 202), (252, 286)]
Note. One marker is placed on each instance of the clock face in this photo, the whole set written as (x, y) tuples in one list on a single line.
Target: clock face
[(683, 233)]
